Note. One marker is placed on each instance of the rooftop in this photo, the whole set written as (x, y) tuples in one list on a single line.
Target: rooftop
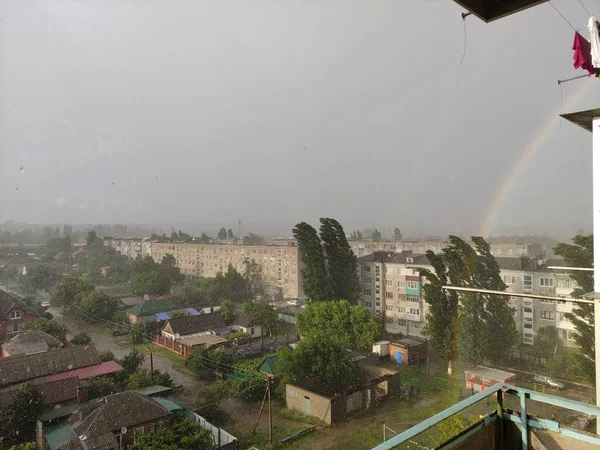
[(489, 373), (9, 302), (30, 342), (206, 339), (196, 324), (151, 307), (104, 368)]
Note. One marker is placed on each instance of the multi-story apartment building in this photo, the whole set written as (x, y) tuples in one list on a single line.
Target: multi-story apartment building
[(392, 289), (278, 266)]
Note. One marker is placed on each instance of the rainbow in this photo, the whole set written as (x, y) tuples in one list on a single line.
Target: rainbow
[(536, 142)]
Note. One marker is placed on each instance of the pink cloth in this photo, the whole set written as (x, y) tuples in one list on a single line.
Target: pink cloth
[(583, 54)]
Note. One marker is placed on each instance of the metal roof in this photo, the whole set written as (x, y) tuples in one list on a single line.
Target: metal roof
[(583, 118), (490, 10), (84, 373)]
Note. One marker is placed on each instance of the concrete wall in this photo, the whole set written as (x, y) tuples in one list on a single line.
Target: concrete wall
[(308, 403)]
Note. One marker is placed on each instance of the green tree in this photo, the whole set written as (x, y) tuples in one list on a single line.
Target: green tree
[(341, 261), (101, 387), (546, 344), (208, 398), (132, 361), (205, 237), (226, 310), (70, 291), (51, 327), (149, 277), (222, 233), (397, 234), (207, 364), (315, 279), (322, 358), (262, 313), (350, 326), (38, 278), (376, 235), (230, 234), (81, 339), (442, 318), (250, 387), (182, 435), (26, 446), (252, 278), (359, 236), (581, 254), (97, 307), (22, 413), (143, 378)]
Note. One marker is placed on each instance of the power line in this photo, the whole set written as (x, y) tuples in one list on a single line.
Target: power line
[(564, 18), (583, 6)]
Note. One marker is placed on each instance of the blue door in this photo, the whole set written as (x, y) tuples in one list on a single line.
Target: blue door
[(398, 357)]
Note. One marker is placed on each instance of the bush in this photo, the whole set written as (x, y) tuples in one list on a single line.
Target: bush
[(101, 387), (81, 339), (207, 400), (107, 356)]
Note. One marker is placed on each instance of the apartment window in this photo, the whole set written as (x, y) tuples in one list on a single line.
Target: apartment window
[(368, 304), (367, 268), (510, 252), (563, 283), (547, 282), (528, 326), (16, 314), (415, 311), (411, 284), (547, 315), (548, 302), (389, 320), (562, 317), (528, 319), (401, 284), (402, 297), (377, 304), (527, 310), (401, 309), (416, 324), (389, 308), (402, 322), (367, 280), (510, 279), (413, 298), (367, 291), (570, 335), (377, 291), (389, 295), (519, 251), (527, 282), (13, 328), (389, 282), (499, 251)]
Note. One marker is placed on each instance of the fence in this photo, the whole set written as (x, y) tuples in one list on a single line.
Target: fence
[(221, 438), (170, 344)]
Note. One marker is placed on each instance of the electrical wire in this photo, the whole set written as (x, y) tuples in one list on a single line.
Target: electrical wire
[(564, 18), (583, 6), (465, 38)]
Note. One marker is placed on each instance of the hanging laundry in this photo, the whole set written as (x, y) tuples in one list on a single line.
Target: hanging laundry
[(583, 54), (595, 42)]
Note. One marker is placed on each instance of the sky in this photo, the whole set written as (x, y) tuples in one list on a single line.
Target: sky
[(181, 112)]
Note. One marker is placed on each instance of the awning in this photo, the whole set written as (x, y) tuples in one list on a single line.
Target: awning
[(192, 311), (163, 316)]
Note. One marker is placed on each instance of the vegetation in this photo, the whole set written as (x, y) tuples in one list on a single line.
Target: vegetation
[(51, 327), (101, 387), (226, 310), (150, 277), (81, 339), (207, 364), (143, 378), (262, 313), (97, 307), (37, 278), (132, 362), (328, 263), (26, 446), (70, 291), (346, 325), (208, 398), (21, 415), (581, 254), (98, 255), (182, 435)]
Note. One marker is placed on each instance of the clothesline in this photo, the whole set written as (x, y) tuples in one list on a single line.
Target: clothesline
[(574, 78)]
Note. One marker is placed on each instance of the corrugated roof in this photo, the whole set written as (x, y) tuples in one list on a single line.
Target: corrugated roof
[(269, 365), (9, 302), (16, 369), (59, 434), (243, 320), (192, 311), (196, 324), (104, 368), (168, 404), (153, 390), (29, 342), (150, 307)]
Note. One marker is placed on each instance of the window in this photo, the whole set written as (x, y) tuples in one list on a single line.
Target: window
[(402, 322), (401, 284), (414, 311), (368, 304), (389, 295), (528, 326), (13, 328), (563, 283), (377, 303), (389, 282), (562, 317), (367, 268), (411, 284), (16, 314), (528, 310), (389, 308), (401, 309), (571, 335), (251, 330), (510, 279), (377, 291), (547, 315), (528, 319), (367, 280), (548, 302), (416, 324), (389, 320), (402, 297), (367, 291), (547, 282), (527, 282), (413, 298)]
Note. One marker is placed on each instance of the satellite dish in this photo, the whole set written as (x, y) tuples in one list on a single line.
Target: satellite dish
[(70, 366), (124, 430), (540, 262), (83, 437)]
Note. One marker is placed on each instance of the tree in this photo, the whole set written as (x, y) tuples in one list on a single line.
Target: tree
[(350, 326), (316, 283), (340, 260), (254, 239), (97, 307), (81, 339), (206, 363), (252, 278), (322, 358), (442, 318), (149, 277), (182, 435), (26, 446), (230, 234), (101, 387), (376, 235), (38, 278), (143, 378), (208, 398), (226, 310), (262, 313), (581, 254), (22, 413), (205, 237), (397, 234), (222, 233), (132, 361), (250, 387), (70, 291), (546, 344)]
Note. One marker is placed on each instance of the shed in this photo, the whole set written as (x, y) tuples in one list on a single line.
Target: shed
[(382, 348), (268, 366), (480, 377), (408, 350)]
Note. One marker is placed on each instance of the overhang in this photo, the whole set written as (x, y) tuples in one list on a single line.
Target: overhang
[(583, 118), (490, 10)]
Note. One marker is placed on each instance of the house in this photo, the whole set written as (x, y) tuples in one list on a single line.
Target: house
[(128, 302), (14, 315), (311, 397), (108, 423), (56, 393), (245, 324), (150, 311), (479, 377), (29, 343), (192, 326), (288, 314), (18, 369)]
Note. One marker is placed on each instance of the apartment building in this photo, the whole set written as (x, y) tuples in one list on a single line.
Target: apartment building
[(392, 290), (278, 266), (130, 247)]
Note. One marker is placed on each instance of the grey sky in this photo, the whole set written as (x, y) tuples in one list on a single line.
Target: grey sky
[(280, 111)]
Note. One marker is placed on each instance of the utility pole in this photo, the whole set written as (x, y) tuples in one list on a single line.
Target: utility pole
[(270, 412), (240, 228), (151, 364)]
